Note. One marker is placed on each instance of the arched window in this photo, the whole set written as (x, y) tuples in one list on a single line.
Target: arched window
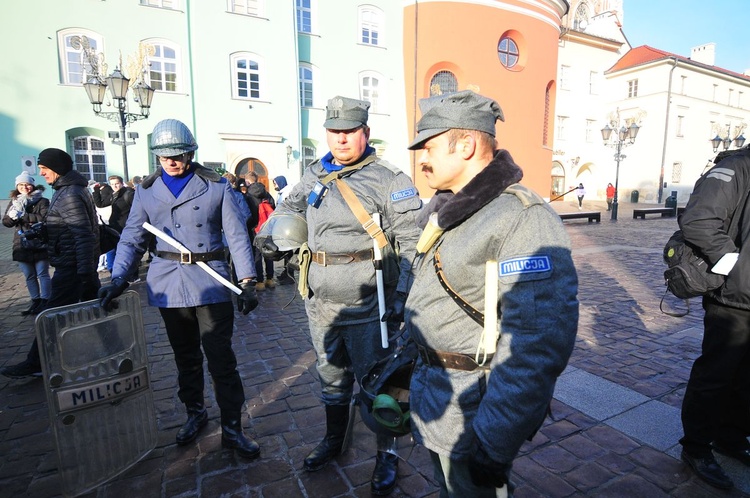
[(89, 158), (308, 155), (164, 67), (306, 85), (372, 89), (581, 19), (444, 82), (73, 64), (371, 25), (246, 76)]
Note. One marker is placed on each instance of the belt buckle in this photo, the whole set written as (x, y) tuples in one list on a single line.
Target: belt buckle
[(321, 257), (186, 258)]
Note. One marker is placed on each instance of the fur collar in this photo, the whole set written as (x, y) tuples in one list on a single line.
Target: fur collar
[(201, 171), (452, 210)]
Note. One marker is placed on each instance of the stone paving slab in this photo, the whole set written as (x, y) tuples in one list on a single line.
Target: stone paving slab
[(624, 343)]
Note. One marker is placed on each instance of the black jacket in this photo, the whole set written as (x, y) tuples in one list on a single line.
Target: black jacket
[(121, 202), (35, 211), (72, 232), (717, 196)]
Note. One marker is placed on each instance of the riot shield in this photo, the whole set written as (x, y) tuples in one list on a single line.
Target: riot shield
[(95, 370)]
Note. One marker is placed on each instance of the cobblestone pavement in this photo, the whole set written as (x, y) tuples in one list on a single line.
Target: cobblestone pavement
[(613, 433)]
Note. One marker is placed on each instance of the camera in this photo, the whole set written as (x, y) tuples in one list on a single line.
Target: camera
[(36, 231)]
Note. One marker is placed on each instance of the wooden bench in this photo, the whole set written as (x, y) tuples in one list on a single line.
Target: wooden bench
[(591, 215), (664, 211)]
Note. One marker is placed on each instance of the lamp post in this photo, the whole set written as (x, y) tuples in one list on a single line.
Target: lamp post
[(119, 84), (717, 141), (625, 136)]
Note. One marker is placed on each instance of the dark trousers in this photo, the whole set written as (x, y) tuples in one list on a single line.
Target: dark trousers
[(208, 326), (717, 399), (66, 288)]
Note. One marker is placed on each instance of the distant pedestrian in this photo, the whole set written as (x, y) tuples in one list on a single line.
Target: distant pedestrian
[(26, 207), (610, 196), (580, 192)]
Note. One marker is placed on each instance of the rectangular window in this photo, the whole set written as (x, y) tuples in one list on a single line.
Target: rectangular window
[(304, 16), (564, 77), (370, 26), (247, 78), (590, 130), (370, 92), (162, 4), (163, 70), (89, 158), (680, 126), (683, 83), (561, 120), (308, 155), (729, 97), (713, 97), (305, 86), (632, 88), (676, 172), (246, 7), (593, 83)]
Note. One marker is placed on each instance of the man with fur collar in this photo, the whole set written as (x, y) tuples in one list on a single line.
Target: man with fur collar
[(474, 402)]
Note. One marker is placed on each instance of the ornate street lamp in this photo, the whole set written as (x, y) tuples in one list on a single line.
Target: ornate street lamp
[(119, 85), (625, 137), (726, 142)]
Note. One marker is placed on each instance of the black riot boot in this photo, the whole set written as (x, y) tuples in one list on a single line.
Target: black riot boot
[(386, 467), (337, 418), (232, 437), (197, 420)]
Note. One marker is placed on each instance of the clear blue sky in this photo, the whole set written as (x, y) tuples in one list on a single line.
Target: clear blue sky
[(679, 25)]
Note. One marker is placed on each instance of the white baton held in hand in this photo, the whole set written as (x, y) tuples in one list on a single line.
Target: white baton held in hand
[(381, 287), (184, 250)]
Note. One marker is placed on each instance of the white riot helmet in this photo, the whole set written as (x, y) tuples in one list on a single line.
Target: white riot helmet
[(171, 138), (288, 231)]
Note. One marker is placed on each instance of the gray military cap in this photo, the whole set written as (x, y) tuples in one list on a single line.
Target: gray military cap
[(343, 113), (463, 110)]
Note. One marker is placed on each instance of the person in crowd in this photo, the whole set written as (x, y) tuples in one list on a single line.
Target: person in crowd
[(480, 389), (28, 206), (261, 203), (283, 189), (198, 208), (342, 302), (610, 196), (72, 237), (580, 192), (716, 406), (119, 198)]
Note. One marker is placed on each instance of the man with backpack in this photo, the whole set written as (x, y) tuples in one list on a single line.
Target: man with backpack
[(716, 407), (260, 202)]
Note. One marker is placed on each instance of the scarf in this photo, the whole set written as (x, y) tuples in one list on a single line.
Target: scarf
[(327, 160), (176, 184)]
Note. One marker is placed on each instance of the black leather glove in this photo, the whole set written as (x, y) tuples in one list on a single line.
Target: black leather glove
[(111, 291), (270, 250), (394, 313), (248, 300), (485, 472)]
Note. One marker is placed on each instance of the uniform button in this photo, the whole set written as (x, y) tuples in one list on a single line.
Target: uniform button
[(200, 244), (196, 208), (199, 225), (177, 225)]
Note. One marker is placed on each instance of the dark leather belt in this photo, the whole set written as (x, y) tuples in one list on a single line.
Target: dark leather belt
[(192, 257), (326, 258), (456, 361)]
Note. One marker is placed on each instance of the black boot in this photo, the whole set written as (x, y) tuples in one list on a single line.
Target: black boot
[(233, 437), (41, 306), (337, 418), (34, 305), (385, 473), (197, 420)]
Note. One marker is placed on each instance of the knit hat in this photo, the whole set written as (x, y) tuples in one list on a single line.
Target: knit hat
[(25, 178), (57, 160), (463, 110), (343, 113)]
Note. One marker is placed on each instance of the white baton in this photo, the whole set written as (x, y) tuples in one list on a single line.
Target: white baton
[(184, 250)]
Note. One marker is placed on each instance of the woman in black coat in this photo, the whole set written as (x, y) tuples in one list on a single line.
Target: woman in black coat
[(26, 207)]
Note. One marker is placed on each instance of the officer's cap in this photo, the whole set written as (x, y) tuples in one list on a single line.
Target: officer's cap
[(463, 110), (343, 113)]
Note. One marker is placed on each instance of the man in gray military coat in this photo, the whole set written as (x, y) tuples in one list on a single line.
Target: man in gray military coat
[(485, 375)]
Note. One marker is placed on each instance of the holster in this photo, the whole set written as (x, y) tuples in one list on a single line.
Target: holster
[(305, 258)]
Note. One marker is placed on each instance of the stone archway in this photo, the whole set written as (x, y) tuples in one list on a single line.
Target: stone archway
[(256, 165)]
